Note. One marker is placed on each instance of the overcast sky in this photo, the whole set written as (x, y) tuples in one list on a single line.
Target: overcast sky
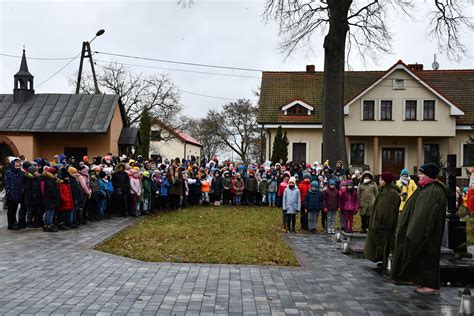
[(228, 33)]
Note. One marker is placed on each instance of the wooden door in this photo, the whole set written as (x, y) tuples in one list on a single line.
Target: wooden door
[(299, 152), (393, 160)]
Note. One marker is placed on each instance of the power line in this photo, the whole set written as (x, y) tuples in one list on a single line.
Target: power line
[(210, 96), (39, 58), (58, 71), (180, 62), (175, 69)]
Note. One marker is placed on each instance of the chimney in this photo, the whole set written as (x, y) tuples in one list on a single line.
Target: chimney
[(415, 67), (310, 69)]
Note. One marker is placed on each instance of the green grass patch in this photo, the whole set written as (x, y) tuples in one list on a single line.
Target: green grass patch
[(226, 235)]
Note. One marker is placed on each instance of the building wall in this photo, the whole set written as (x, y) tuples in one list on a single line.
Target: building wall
[(115, 128), (24, 143), (192, 150), (168, 149), (444, 124), (311, 136), (53, 144)]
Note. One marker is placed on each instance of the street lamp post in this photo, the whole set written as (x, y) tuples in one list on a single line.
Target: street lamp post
[(87, 53)]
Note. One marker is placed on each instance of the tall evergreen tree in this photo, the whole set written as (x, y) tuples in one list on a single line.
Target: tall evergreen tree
[(144, 130), (284, 148), (277, 145)]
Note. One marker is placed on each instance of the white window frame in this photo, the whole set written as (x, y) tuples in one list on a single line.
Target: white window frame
[(461, 156), (405, 106), (395, 86), (302, 103), (365, 150), (380, 109), (423, 109), (362, 110)]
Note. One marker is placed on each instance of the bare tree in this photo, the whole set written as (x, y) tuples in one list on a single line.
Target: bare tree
[(236, 126), (359, 24), (203, 130), (156, 94)]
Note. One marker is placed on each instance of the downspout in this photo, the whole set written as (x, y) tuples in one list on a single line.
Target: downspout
[(269, 141), (185, 143)]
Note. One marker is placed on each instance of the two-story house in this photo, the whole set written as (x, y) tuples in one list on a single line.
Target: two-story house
[(394, 119)]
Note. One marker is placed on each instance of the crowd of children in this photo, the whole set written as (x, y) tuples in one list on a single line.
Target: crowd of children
[(66, 193)]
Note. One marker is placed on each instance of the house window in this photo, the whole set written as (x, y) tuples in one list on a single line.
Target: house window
[(398, 84), (468, 155), (357, 154), (410, 110), (297, 109), (386, 110), (428, 110), (431, 153), (155, 136), (368, 110)]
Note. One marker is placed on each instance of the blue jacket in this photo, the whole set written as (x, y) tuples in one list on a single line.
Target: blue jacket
[(313, 201), (164, 187), (103, 188)]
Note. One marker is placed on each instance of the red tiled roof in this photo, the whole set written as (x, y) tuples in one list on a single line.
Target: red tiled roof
[(177, 133), (281, 88)]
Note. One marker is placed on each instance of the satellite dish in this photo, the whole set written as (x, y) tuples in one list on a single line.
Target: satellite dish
[(435, 65)]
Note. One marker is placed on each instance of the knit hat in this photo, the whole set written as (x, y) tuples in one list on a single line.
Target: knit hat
[(349, 183), (72, 171), (404, 171), (387, 177), (315, 184), (307, 175), (292, 180), (430, 169), (102, 174), (51, 170), (332, 182), (32, 169), (26, 165), (146, 173)]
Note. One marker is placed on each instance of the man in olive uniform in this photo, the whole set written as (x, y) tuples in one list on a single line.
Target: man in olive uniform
[(419, 233), (381, 237)]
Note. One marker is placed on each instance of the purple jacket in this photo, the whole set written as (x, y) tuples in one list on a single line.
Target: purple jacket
[(349, 200), (331, 199)]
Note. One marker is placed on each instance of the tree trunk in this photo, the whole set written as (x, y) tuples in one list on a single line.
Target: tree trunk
[(334, 145)]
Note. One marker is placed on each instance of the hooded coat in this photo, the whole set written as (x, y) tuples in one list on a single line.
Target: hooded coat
[(419, 234), (383, 223), (49, 190), (367, 193), (14, 185), (120, 180)]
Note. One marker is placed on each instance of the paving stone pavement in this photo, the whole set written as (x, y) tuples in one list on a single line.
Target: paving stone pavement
[(59, 273)]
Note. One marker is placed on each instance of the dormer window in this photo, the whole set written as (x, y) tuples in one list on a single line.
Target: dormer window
[(297, 108)]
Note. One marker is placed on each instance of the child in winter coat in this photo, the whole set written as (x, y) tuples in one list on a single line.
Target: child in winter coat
[(216, 187), (313, 204), (304, 188), (291, 204), (31, 198), (330, 206), (281, 189), (263, 188), (146, 196), (238, 188), (66, 200), (251, 186), (50, 198), (103, 195), (135, 193), (272, 188), (226, 188), (205, 188), (164, 187), (350, 204)]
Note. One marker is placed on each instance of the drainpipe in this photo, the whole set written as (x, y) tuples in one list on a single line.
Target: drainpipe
[(185, 143), (269, 141)]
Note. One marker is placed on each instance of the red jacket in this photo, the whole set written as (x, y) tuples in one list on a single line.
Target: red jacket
[(281, 188), (65, 197), (304, 187)]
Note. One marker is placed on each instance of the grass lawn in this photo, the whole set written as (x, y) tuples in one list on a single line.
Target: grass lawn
[(233, 235)]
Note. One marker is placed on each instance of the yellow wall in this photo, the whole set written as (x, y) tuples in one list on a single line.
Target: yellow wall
[(114, 131), (24, 143), (311, 136), (174, 148), (444, 125)]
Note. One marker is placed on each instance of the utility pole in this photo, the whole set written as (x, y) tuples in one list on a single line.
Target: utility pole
[(87, 53)]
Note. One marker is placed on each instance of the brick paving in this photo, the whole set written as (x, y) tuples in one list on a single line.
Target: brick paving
[(59, 273)]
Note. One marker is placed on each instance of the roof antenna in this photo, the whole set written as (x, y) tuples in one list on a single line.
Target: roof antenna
[(435, 64)]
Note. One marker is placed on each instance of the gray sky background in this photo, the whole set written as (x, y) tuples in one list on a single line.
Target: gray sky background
[(229, 33)]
